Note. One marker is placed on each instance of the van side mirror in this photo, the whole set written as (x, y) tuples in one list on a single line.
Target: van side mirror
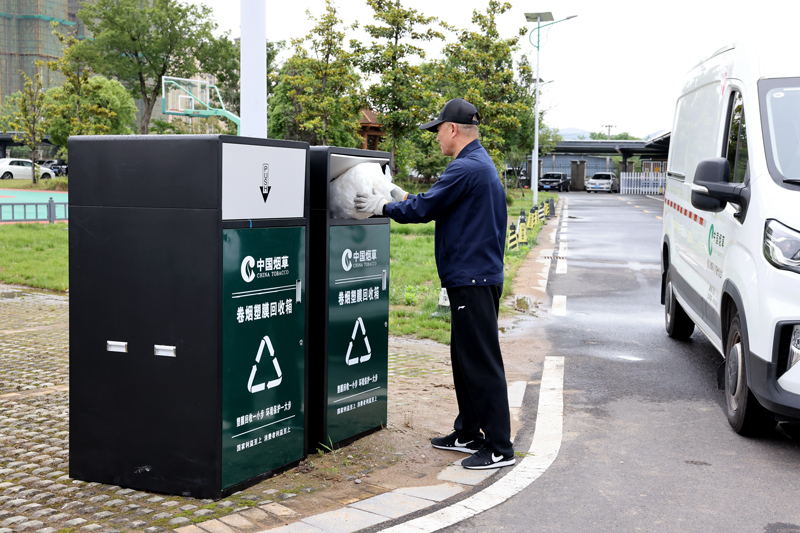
[(711, 190)]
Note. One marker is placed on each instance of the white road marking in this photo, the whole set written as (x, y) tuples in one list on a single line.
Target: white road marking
[(561, 266), (559, 305), (562, 249), (516, 391), (543, 451)]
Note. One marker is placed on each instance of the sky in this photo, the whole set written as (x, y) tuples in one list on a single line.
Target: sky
[(619, 63)]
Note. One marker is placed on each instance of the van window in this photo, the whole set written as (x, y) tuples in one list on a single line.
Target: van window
[(695, 134), (737, 139), (783, 133)]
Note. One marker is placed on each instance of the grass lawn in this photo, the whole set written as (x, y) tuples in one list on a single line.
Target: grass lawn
[(414, 292), (54, 184), (35, 255)]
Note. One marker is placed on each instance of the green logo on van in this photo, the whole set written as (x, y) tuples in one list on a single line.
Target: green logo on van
[(710, 239)]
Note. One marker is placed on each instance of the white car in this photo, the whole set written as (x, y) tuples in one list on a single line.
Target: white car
[(21, 169), (731, 226), (602, 182)]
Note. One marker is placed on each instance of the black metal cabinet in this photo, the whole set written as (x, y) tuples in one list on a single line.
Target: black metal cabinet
[(170, 239)]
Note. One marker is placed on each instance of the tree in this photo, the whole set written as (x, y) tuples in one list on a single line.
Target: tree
[(480, 68), (84, 104), (8, 110), (602, 136), (29, 120), (398, 92), (518, 142), (141, 41), (228, 79), (321, 83), (424, 155), (103, 107), (194, 125)]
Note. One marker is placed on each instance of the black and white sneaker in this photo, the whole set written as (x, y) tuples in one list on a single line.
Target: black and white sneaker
[(485, 459), (453, 443)]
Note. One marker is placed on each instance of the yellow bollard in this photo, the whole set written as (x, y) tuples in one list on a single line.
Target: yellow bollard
[(512, 238), (531, 219), (523, 234)]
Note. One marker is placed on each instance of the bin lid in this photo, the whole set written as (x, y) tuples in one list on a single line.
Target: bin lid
[(341, 163)]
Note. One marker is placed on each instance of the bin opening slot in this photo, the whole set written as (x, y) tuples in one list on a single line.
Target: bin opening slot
[(342, 163)]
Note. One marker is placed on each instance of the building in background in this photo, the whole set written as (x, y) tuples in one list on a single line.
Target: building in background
[(371, 129), (26, 37)]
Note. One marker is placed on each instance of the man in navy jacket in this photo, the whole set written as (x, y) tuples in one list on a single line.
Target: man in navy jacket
[(469, 206)]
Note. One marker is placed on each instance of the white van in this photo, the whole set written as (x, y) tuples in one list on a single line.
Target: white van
[(731, 227)]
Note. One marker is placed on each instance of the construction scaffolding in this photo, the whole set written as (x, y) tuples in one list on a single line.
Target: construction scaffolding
[(26, 37)]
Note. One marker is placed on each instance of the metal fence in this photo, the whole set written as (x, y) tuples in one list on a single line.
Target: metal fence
[(642, 182), (31, 212)]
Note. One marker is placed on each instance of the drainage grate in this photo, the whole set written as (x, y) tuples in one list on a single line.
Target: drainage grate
[(551, 257)]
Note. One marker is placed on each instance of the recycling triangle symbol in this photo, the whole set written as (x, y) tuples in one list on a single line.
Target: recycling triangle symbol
[(363, 358), (270, 384)]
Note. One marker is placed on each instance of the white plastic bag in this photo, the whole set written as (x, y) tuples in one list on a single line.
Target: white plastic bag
[(366, 178)]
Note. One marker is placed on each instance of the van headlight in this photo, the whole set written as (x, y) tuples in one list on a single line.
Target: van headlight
[(794, 346), (782, 246)]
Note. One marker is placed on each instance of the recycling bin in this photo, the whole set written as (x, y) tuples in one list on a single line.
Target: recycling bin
[(349, 306), (188, 311)]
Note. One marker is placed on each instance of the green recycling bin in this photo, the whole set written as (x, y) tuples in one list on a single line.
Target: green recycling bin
[(349, 310), (188, 268)]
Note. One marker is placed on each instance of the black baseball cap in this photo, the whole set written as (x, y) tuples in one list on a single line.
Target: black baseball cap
[(456, 110)]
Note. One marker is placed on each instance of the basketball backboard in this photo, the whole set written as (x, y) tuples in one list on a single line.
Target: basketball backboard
[(181, 95)]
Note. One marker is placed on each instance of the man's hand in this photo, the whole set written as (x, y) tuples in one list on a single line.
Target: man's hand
[(398, 194), (370, 203)]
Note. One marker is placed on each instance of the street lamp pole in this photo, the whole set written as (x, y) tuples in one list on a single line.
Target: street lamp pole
[(535, 155), (534, 170)]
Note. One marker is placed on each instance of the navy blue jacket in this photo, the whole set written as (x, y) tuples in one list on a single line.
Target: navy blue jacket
[(469, 206)]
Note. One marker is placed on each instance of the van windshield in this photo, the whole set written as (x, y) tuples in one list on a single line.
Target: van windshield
[(780, 100)]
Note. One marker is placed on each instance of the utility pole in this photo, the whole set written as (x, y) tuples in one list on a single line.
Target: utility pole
[(253, 68), (608, 138)]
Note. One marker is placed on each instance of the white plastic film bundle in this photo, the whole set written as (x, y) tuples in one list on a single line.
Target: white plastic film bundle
[(366, 178)]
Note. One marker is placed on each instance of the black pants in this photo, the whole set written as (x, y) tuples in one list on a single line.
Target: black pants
[(478, 372)]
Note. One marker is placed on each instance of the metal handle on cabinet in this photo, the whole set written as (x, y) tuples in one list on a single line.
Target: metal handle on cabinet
[(298, 290), (117, 346), (165, 351), (383, 280)]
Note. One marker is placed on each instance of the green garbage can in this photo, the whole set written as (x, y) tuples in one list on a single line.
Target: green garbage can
[(349, 310), (188, 311)]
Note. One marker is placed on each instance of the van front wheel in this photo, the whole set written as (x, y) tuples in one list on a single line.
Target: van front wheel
[(745, 415), (678, 324)]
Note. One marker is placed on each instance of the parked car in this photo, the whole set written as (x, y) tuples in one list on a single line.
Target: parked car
[(603, 182), (58, 167), (558, 181), (731, 230), (21, 169)]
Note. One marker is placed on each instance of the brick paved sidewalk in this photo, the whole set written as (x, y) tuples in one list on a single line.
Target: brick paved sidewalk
[(37, 495)]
